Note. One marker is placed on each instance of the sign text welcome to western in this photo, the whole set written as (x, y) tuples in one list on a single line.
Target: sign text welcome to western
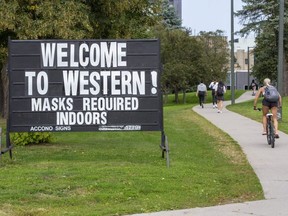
[(91, 85)]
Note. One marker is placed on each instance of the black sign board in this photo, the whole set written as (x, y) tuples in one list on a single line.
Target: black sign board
[(84, 85)]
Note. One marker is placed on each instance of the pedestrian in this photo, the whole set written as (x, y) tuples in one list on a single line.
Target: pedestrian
[(269, 104), (201, 93), (213, 86), (220, 91), (253, 87)]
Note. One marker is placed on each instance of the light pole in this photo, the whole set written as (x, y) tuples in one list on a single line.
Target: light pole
[(248, 66), (280, 67), (232, 55)]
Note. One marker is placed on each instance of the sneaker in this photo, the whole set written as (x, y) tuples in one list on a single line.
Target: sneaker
[(202, 105), (276, 136), (218, 111)]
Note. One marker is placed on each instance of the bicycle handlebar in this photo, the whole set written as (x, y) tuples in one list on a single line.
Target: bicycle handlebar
[(258, 109)]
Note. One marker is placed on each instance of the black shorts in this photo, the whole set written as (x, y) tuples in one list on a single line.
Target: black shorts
[(269, 104), (220, 97)]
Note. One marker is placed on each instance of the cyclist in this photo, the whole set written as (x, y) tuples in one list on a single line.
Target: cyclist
[(266, 106)]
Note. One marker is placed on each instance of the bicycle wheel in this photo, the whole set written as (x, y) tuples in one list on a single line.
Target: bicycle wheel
[(272, 135), (268, 132)]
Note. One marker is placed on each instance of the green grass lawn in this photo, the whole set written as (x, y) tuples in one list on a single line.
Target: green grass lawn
[(118, 173)]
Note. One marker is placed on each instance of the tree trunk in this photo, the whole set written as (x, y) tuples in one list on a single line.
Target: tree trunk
[(184, 96), (176, 96), (4, 91)]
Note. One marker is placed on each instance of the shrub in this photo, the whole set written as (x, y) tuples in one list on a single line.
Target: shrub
[(27, 138)]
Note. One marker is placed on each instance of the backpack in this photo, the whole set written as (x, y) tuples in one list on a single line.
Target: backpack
[(271, 94), (220, 90)]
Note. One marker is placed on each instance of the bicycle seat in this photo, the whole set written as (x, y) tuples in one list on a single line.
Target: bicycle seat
[(269, 114)]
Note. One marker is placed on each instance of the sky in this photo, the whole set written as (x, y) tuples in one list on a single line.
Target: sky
[(210, 15)]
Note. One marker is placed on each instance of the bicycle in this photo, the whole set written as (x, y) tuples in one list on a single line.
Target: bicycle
[(270, 131)]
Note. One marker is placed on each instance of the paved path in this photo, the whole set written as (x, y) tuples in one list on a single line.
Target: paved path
[(270, 165)]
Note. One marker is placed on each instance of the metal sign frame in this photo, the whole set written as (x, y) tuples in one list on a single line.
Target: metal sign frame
[(85, 85)]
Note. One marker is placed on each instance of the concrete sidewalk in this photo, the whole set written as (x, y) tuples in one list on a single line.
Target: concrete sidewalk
[(270, 165)]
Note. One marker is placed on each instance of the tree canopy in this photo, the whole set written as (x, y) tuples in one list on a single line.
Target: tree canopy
[(186, 59), (123, 18), (169, 17), (262, 18)]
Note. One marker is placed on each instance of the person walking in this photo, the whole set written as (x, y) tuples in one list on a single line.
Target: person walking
[(201, 93), (220, 91), (269, 104), (253, 87), (213, 86)]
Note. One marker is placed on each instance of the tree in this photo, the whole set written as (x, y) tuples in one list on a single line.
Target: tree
[(169, 17), (123, 18), (258, 14), (74, 19), (130, 18), (188, 60), (262, 17), (180, 55), (39, 19), (216, 57), (265, 57)]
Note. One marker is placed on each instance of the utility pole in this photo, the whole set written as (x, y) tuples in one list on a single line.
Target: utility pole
[(232, 55), (280, 67)]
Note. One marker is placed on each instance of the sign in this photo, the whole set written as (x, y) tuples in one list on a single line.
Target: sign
[(84, 85)]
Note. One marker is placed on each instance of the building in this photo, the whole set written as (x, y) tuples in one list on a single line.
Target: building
[(178, 7), (244, 54)]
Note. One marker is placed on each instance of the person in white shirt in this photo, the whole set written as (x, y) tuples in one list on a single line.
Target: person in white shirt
[(213, 86), (201, 93)]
